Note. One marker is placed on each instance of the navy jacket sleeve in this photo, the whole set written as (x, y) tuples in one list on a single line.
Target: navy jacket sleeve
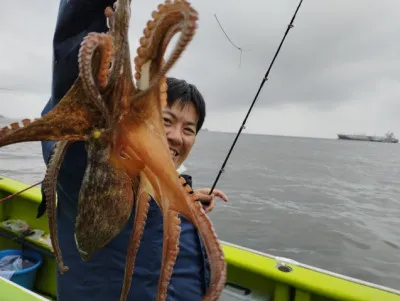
[(76, 18)]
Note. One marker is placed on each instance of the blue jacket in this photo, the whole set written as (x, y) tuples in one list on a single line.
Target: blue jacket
[(101, 277)]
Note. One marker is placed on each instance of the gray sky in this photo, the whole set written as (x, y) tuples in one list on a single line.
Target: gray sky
[(338, 70)]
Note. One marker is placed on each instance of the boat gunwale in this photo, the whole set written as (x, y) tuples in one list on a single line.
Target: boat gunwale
[(290, 262), (294, 278), (24, 290)]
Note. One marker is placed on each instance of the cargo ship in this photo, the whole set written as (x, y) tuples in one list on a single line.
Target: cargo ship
[(388, 138)]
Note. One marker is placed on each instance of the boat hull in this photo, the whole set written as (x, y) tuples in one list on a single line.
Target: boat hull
[(368, 138), (252, 275)]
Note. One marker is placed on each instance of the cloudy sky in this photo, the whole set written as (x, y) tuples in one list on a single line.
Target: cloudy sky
[(338, 70)]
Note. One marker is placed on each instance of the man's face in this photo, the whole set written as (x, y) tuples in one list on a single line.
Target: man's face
[(180, 127)]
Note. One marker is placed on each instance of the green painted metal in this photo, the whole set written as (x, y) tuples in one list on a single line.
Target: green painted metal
[(12, 292), (251, 275)]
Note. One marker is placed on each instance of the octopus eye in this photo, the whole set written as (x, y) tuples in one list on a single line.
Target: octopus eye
[(96, 134)]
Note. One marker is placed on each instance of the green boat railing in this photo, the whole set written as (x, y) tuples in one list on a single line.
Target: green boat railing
[(252, 275)]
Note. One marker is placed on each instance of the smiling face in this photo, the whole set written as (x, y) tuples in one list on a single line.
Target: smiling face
[(180, 122)]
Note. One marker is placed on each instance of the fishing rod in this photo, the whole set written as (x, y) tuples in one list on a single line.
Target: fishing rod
[(255, 98), (244, 121)]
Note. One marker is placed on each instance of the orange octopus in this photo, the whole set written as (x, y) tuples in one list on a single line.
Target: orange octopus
[(128, 155)]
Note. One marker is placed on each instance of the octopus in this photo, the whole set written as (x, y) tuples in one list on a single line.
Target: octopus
[(119, 117)]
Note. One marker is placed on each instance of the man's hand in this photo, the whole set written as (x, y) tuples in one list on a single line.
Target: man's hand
[(207, 200)]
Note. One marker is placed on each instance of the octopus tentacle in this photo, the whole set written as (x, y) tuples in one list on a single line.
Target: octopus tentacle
[(180, 199), (142, 207), (118, 20), (215, 255), (172, 201), (105, 200), (193, 211), (92, 42), (167, 21), (54, 126), (49, 188), (213, 248), (171, 233), (103, 43), (172, 230), (123, 90), (16, 126), (163, 92), (109, 13)]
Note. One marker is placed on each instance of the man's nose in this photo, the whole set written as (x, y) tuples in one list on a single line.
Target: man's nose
[(174, 135)]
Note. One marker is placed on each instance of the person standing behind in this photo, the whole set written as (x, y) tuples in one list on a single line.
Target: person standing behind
[(101, 277)]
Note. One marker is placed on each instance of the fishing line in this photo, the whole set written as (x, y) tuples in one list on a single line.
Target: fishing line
[(230, 41), (255, 98), (19, 192), (245, 119)]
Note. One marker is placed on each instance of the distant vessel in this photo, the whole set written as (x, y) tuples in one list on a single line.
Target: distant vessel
[(388, 138)]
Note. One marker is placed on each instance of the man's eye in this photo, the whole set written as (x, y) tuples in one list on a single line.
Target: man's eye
[(167, 121), (189, 130)]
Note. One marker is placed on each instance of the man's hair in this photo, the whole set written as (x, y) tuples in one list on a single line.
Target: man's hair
[(185, 93)]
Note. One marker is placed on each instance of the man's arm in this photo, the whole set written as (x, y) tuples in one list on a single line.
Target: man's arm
[(76, 18)]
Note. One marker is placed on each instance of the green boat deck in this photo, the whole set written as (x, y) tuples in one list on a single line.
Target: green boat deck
[(252, 275)]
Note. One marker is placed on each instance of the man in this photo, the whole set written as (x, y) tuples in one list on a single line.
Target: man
[(101, 277)]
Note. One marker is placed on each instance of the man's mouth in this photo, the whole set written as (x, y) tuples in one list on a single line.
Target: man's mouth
[(173, 152)]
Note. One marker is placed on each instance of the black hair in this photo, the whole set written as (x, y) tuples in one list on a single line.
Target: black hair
[(185, 93)]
